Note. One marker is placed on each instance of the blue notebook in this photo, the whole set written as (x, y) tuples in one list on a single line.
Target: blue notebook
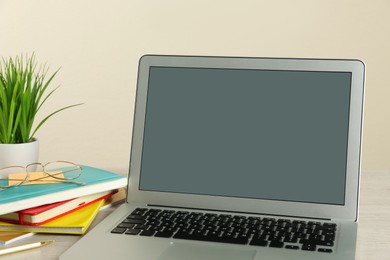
[(95, 180)]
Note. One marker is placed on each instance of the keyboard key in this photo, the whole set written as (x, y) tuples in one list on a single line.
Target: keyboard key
[(134, 221), (325, 250), (309, 247), (325, 243), (258, 242), (292, 247), (118, 230), (148, 233), (276, 244)]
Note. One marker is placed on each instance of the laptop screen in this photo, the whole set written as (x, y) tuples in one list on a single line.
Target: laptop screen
[(247, 133)]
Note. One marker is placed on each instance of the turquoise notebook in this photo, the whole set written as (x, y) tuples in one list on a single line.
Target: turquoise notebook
[(95, 180)]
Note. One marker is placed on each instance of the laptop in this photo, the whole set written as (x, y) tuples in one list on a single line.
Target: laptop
[(239, 158)]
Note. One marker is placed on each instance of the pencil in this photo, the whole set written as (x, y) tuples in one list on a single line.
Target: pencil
[(24, 247)]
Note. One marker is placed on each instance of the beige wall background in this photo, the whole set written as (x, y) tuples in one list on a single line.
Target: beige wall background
[(98, 43)]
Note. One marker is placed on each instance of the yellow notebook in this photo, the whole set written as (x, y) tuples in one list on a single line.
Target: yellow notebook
[(76, 222)]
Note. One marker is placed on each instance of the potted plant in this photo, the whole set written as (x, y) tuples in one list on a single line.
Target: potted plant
[(24, 88)]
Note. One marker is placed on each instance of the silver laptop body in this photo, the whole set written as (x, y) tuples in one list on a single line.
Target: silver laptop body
[(264, 138)]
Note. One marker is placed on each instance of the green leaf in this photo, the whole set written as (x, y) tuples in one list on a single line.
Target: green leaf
[(55, 112)]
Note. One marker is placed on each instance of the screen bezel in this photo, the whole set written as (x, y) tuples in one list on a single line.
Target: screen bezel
[(262, 206)]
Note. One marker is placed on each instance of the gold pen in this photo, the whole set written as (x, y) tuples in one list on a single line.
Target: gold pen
[(25, 247)]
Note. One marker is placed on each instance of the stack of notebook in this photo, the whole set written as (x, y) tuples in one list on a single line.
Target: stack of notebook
[(59, 208)]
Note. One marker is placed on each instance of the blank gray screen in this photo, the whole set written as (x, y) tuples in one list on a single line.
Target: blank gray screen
[(278, 135)]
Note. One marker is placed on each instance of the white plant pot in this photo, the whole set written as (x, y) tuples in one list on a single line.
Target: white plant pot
[(19, 154)]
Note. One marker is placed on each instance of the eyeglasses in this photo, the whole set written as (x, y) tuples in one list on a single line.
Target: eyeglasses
[(58, 171)]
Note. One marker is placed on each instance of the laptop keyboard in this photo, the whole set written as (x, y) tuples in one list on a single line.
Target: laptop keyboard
[(234, 229)]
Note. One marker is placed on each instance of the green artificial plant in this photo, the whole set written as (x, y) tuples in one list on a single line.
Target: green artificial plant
[(23, 91)]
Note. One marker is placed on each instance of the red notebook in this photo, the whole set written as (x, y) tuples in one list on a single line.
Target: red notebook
[(45, 213)]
